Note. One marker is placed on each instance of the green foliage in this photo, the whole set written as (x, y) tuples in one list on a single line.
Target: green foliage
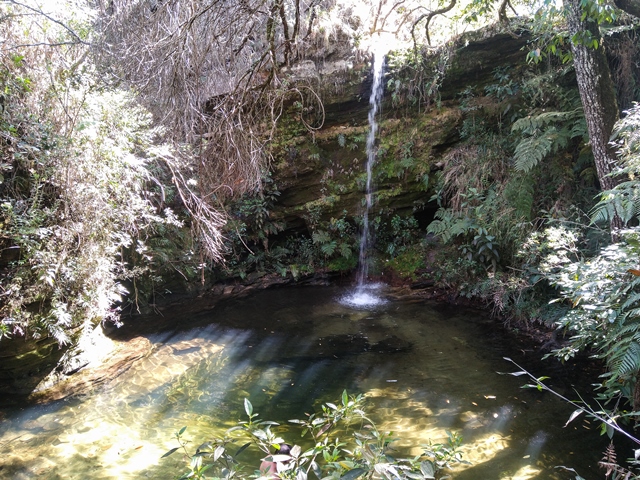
[(604, 293), (331, 451), (519, 192), (415, 78), (86, 185), (73, 207), (477, 244), (408, 262), (248, 233), (476, 10), (253, 245), (448, 226), (396, 234), (624, 199), (550, 36), (338, 240), (491, 205), (544, 134), (504, 87)]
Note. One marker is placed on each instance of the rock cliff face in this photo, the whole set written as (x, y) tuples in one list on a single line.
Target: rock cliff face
[(320, 175)]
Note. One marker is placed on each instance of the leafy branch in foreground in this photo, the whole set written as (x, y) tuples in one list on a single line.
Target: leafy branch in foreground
[(331, 454)]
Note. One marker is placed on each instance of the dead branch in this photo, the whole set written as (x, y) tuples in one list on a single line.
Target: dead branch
[(429, 16)]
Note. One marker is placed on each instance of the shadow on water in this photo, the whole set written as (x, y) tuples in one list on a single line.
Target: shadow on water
[(425, 369)]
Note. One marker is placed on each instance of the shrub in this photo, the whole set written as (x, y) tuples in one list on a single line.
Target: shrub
[(332, 453)]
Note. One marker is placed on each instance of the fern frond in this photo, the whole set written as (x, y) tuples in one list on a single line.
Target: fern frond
[(345, 250), (545, 133), (328, 248), (530, 151), (631, 300), (524, 125), (547, 118), (529, 125), (448, 225), (634, 313), (437, 227), (632, 330), (623, 200), (559, 138), (579, 128), (321, 236), (627, 361), (519, 192)]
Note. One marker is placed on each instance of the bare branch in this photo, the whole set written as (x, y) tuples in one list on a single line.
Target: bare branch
[(502, 11), (39, 44), (49, 17), (210, 71), (429, 16)]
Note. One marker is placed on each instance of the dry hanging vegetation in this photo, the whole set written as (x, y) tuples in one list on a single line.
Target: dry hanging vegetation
[(113, 114), (212, 73), (219, 74)]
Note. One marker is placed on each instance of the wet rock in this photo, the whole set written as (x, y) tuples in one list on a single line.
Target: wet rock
[(24, 363), (478, 54), (185, 351), (89, 379)]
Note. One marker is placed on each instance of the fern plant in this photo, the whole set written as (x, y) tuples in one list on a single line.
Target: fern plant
[(624, 199), (481, 247), (545, 133), (519, 193)]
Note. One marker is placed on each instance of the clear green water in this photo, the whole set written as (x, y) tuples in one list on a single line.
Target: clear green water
[(424, 368)]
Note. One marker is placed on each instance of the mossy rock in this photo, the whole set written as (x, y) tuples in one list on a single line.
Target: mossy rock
[(25, 362)]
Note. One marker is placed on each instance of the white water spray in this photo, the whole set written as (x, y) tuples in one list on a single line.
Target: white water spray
[(362, 295)]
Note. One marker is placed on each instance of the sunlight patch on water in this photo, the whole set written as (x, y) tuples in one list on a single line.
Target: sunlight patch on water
[(483, 450), (527, 472), (487, 448)]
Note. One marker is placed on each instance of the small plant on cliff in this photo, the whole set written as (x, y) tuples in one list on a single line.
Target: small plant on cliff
[(336, 449), (335, 244)]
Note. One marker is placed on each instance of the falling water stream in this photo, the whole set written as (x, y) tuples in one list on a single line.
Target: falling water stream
[(377, 90), (364, 294), (424, 369)]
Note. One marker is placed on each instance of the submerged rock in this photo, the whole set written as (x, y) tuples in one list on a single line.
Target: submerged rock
[(88, 379), (391, 344)]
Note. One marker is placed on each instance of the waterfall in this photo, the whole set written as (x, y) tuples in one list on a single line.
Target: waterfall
[(374, 105), (361, 297)]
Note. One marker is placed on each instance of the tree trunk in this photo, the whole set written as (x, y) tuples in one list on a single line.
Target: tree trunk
[(596, 92)]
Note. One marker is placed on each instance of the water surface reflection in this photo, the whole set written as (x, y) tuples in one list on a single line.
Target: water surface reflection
[(425, 369)]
